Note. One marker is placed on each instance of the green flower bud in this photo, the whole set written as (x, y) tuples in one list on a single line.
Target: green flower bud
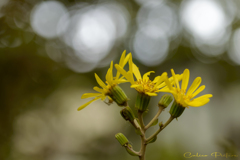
[(176, 110), (118, 95), (127, 114), (160, 124), (165, 100), (142, 102), (121, 139)]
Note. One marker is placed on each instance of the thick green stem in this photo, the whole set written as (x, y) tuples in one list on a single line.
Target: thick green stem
[(154, 118)]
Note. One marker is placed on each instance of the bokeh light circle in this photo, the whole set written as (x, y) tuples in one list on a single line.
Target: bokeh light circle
[(151, 51), (157, 26), (204, 19), (94, 29), (234, 50), (45, 18)]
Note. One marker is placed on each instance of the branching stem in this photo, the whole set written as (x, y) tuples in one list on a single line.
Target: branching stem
[(161, 128), (154, 118)]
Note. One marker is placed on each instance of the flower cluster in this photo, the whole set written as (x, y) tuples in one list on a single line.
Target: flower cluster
[(145, 87)]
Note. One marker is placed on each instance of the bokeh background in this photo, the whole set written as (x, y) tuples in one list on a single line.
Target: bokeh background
[(50, 50)]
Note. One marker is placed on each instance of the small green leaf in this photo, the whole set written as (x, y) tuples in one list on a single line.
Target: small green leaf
[(138, 132), (155, 122), (152, 140)]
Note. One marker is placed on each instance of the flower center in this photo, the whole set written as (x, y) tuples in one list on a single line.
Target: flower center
[(181, 95), (146, 85)]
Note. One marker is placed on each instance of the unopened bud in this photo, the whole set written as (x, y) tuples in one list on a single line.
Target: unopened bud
[(127, 114), (165, 100), (160, 124), (121, 139), (118, 95)]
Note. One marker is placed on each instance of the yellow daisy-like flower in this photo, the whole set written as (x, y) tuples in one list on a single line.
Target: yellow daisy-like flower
[(110, 86), (142, 83), (182, 96)]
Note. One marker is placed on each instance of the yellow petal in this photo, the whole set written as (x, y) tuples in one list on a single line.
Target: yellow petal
[(130, 64), (135, 85), (127, 75), (151, 94), (98, 89), (130, 77), (88, 95), (136, 72), (121, 70), (206, 96), (169, 85), (198, 103), (121, 81), (179, 77), (145, 76), (165, 89), (185, 79), (194, 85), (156, 79), (122, 78), (122, 58), (163, 84), (200, 89), (161, 79), (100, 82), (121, 63), (86, 104), (109, 75), (126, 59), (175, 79)]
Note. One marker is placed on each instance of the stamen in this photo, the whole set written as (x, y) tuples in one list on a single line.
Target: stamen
[(147, 86)]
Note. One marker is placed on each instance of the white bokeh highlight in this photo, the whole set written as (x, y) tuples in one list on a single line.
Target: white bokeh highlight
[(208, 22), (45, 18), (234, 50), (95, 35), (93, 30), (157, 25), (204, 19)]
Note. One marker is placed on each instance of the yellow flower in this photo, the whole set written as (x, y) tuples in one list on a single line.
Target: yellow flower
[(142, 83), (111, 83), (182, 96)]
